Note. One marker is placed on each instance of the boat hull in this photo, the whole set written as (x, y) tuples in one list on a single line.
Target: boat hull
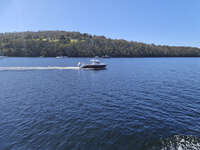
[(94, 66)]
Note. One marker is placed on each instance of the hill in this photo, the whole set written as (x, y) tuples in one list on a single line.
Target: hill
[(76, 44)]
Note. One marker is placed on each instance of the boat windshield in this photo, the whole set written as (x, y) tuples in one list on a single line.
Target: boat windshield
[(95, 61)]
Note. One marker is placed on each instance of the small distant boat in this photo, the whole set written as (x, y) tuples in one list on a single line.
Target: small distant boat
[(95, 64), (105, 56), (1, 57), (61, 57)]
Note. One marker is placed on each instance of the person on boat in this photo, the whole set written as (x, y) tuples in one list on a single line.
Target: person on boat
[(79, 64)]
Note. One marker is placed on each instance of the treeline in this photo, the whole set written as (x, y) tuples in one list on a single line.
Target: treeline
[(76, 44)]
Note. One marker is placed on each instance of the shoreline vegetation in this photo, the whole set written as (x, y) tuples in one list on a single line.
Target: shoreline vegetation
[(76, 44)]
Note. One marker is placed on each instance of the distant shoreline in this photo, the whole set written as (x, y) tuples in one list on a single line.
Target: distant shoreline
[(76, 44), (98, 57)]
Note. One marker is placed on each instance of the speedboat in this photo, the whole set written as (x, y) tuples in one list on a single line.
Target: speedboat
[(95, 64)]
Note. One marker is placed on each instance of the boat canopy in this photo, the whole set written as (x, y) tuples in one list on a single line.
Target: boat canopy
[(95, 61)]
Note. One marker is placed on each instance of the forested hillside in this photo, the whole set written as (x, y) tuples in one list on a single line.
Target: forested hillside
[(75, 44)]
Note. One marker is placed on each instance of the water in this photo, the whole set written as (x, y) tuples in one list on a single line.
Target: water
[(135, 104)]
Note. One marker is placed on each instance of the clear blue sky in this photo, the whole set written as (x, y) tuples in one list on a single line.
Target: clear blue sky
[(170, 22)]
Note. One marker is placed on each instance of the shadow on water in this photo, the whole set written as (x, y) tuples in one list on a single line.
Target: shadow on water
[(94, 69)]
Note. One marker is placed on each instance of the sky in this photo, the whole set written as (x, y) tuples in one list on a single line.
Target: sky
[(162, 22)]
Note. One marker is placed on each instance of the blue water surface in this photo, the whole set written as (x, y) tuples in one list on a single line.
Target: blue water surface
[(136, 103)]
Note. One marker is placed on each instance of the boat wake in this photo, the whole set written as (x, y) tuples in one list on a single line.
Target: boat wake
[(38, 68), (178, 142)]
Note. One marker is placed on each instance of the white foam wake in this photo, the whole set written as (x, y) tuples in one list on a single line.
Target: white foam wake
[(38, 68), (181, 143)]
